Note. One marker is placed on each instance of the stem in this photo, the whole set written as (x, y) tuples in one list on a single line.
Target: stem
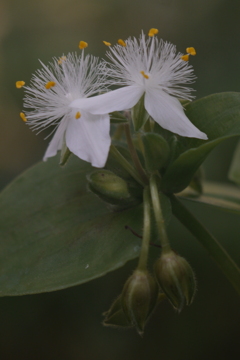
[(158, 214), (134, 155), (142, 263), (214, 249), (125, 164)]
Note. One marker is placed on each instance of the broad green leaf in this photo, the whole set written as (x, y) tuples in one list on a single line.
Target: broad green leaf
[(222, 196), (55, 234), (234, 171), (218, 116)]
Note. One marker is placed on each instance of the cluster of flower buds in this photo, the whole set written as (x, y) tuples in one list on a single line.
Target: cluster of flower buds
[(173, 279)]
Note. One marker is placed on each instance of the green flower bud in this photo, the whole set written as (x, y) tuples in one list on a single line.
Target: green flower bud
[(176, 279), (111, 188), (139, 298)]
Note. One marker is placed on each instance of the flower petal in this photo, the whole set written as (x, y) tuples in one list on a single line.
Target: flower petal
[(168, 113), (57, 140), (116, 100), (88, 137)]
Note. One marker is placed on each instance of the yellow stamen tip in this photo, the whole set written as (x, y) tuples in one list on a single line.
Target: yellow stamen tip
[(191, 51), (185, 57), (50, 84), (121, 42), (152, 32), (107, 43), (61, 59), (82, 45), (144, 75), (23, 117), (78, 115), (20, 84)]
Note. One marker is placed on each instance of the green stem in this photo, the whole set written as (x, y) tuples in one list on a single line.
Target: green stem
[(158, 214), (127, 166), (214, 249), (142, 263), (134, 155)]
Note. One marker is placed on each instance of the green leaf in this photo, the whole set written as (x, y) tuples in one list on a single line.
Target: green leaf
[(156, 151), (224, 197), (218, 116), (234, 171), (55, 234)]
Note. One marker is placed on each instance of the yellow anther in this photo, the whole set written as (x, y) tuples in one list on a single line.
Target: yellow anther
[(61, 59), (144, 75), (23, 117), (82, 45), (78, 115), (191, 51), (153, 32), (20, 84), (185, 57), (107, 43), (50, 84), (121, 42)]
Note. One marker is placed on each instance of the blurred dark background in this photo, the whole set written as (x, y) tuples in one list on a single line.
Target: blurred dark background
[(67, 324)]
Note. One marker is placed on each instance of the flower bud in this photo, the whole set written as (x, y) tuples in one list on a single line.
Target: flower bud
[(139, 298), (176, 279), (111, 188)]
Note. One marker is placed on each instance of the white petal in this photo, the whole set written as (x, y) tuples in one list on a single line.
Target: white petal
[(88, 137), (116, 100), (168, 113), (57, 140)]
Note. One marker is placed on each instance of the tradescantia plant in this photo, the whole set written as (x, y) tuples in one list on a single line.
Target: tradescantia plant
[(65, 225)]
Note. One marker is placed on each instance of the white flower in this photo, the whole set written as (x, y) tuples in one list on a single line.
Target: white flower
[(152, 68), (52, 89)]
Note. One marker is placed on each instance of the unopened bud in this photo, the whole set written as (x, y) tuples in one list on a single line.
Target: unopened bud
[(139, 298), (111, 188), (176, 279)]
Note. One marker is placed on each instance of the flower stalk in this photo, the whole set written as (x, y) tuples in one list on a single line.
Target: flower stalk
[(158, 215), (142, 263), (134, 155)]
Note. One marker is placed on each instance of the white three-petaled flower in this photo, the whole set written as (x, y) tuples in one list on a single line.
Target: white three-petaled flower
[(152, 68), (52, 89)]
